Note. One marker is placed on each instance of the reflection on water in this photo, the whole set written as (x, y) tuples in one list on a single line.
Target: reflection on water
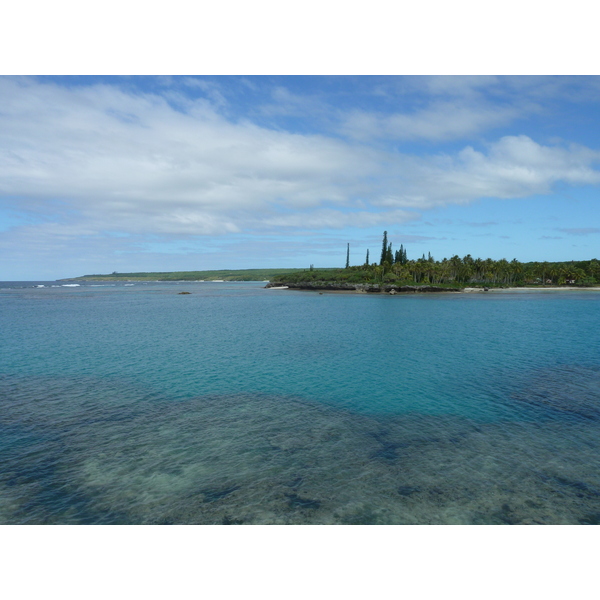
[(85, 450)]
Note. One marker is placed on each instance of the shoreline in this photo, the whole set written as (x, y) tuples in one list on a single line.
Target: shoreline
[(537, 289), (391, 290)]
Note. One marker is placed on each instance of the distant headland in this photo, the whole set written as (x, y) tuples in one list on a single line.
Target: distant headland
[(395, 272), (218, 275)]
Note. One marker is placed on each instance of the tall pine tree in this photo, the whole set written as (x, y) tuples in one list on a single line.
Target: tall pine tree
[(389, 256), (384, 248)]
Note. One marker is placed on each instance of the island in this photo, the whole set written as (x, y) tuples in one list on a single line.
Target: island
[(395, 273)]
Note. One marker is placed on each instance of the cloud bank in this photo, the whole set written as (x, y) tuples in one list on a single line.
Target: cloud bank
[(104, 160)]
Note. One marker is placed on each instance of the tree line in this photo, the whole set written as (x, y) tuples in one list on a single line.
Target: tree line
[(395, 267)]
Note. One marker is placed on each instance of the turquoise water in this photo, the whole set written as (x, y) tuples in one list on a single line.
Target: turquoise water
[(237, 404)]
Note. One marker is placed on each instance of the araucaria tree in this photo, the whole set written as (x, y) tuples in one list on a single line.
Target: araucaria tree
[(384, 248), (396, 269), (389, 255), (400, 256)]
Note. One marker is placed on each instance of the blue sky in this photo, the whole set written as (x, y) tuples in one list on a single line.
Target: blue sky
[(102, 174)]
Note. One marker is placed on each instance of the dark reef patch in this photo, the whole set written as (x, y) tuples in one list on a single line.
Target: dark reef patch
[(567, 390), (295, 501), (407, 490), (123, 455), (212, 495)]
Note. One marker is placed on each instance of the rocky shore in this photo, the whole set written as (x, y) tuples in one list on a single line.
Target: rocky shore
[(372, 288)]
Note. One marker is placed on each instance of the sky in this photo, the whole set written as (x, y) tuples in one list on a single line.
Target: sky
[(168, 173), (102, 174)]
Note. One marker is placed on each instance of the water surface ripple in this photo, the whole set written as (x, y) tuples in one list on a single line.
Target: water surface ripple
[(236, 404)]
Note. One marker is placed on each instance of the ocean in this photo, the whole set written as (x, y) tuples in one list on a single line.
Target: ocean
[(133, 403)]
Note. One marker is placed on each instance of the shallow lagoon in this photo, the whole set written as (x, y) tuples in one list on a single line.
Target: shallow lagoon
[(237, 404)]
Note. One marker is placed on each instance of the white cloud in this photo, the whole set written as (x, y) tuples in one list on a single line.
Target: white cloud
[(446, 108), (99, 159), (513, 167), (333, 219), (440, 121), (133, 161)]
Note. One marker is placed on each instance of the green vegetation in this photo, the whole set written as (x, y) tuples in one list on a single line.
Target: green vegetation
[(454, 272), (225, 275), (397, 269), (457, 272)]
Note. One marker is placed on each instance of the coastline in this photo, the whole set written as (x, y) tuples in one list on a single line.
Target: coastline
[(366, 288), (360, 288), (537, 289)]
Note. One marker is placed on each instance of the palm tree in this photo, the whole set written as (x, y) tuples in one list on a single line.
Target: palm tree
[(545, 267), (554, 271), (478, 267), (516, 269), (455, 265)]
